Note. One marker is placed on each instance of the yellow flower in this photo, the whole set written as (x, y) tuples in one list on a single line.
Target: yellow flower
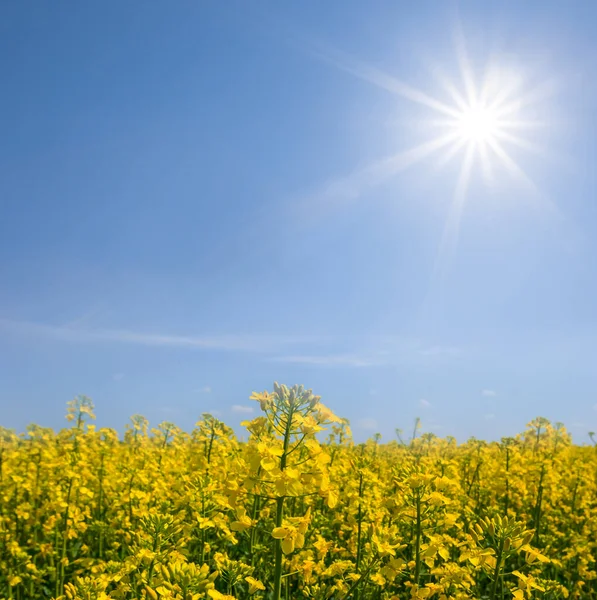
[(325, 415), (291, 538), (417, 592), (287, 482), (256, 426), (165, 515), (243, 522), (383, 548), (269, 456), (331, 498), (219, 596), (264, 398), (254, 584), (308, 425)]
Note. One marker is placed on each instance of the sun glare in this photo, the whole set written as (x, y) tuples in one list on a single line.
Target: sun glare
[(482, 119), (478, 119), (478, 125)]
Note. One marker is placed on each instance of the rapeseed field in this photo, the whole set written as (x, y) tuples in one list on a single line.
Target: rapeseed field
[(297, 511)]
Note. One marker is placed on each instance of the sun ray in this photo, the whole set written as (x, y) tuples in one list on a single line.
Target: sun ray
[(452, 152), (536, 95), (458, 99), (490, 82), (384, 80), (343, 190), (511, 165), (538, 201), (504, 88), (400, 89), (486, 166), (451, 233), (414, 155), (477, 120), (521, 124), (466, 71), (522, 143)]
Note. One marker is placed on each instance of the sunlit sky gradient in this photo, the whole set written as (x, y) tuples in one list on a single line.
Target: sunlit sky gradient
[(199, 199)]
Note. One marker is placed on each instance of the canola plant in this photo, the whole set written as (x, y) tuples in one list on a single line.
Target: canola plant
[(297, 511)]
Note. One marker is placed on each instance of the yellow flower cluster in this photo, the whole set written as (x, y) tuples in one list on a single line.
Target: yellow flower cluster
[(297, 511)]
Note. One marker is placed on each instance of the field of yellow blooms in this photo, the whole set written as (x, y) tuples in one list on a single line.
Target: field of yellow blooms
[(297, 511)]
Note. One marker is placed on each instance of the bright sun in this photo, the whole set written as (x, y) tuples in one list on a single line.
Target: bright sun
[(480, 125), (479, 119)]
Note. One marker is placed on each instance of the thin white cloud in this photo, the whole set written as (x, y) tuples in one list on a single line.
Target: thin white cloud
[(83, 319), (118, 376), (440, 351), (242, 409), (367, 423), (424, 403), (372, 350), (489, 393), (332, 360), (489, 417), (245, 343), (204, 390)]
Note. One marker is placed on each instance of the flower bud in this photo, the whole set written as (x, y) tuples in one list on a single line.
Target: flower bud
[(527, 538)]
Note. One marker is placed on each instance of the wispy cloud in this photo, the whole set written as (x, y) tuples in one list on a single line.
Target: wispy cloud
[(332, 360), (83, 319), (489, 417), (367, 423), (440, 351), (204, 390), (242, 409), (424, 403), (489, 393), (118, 376), (342, 351), (374, 351), (247, 343)]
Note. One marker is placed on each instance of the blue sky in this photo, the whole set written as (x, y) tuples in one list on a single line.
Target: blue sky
[(199, 199)]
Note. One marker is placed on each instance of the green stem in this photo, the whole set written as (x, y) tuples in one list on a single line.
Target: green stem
[(359, 528), (278, 551), (253, 534), (507, 502), (60, 579), (418, 539), (537, 511), (496, 572), (280, 512), (362, 579)]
